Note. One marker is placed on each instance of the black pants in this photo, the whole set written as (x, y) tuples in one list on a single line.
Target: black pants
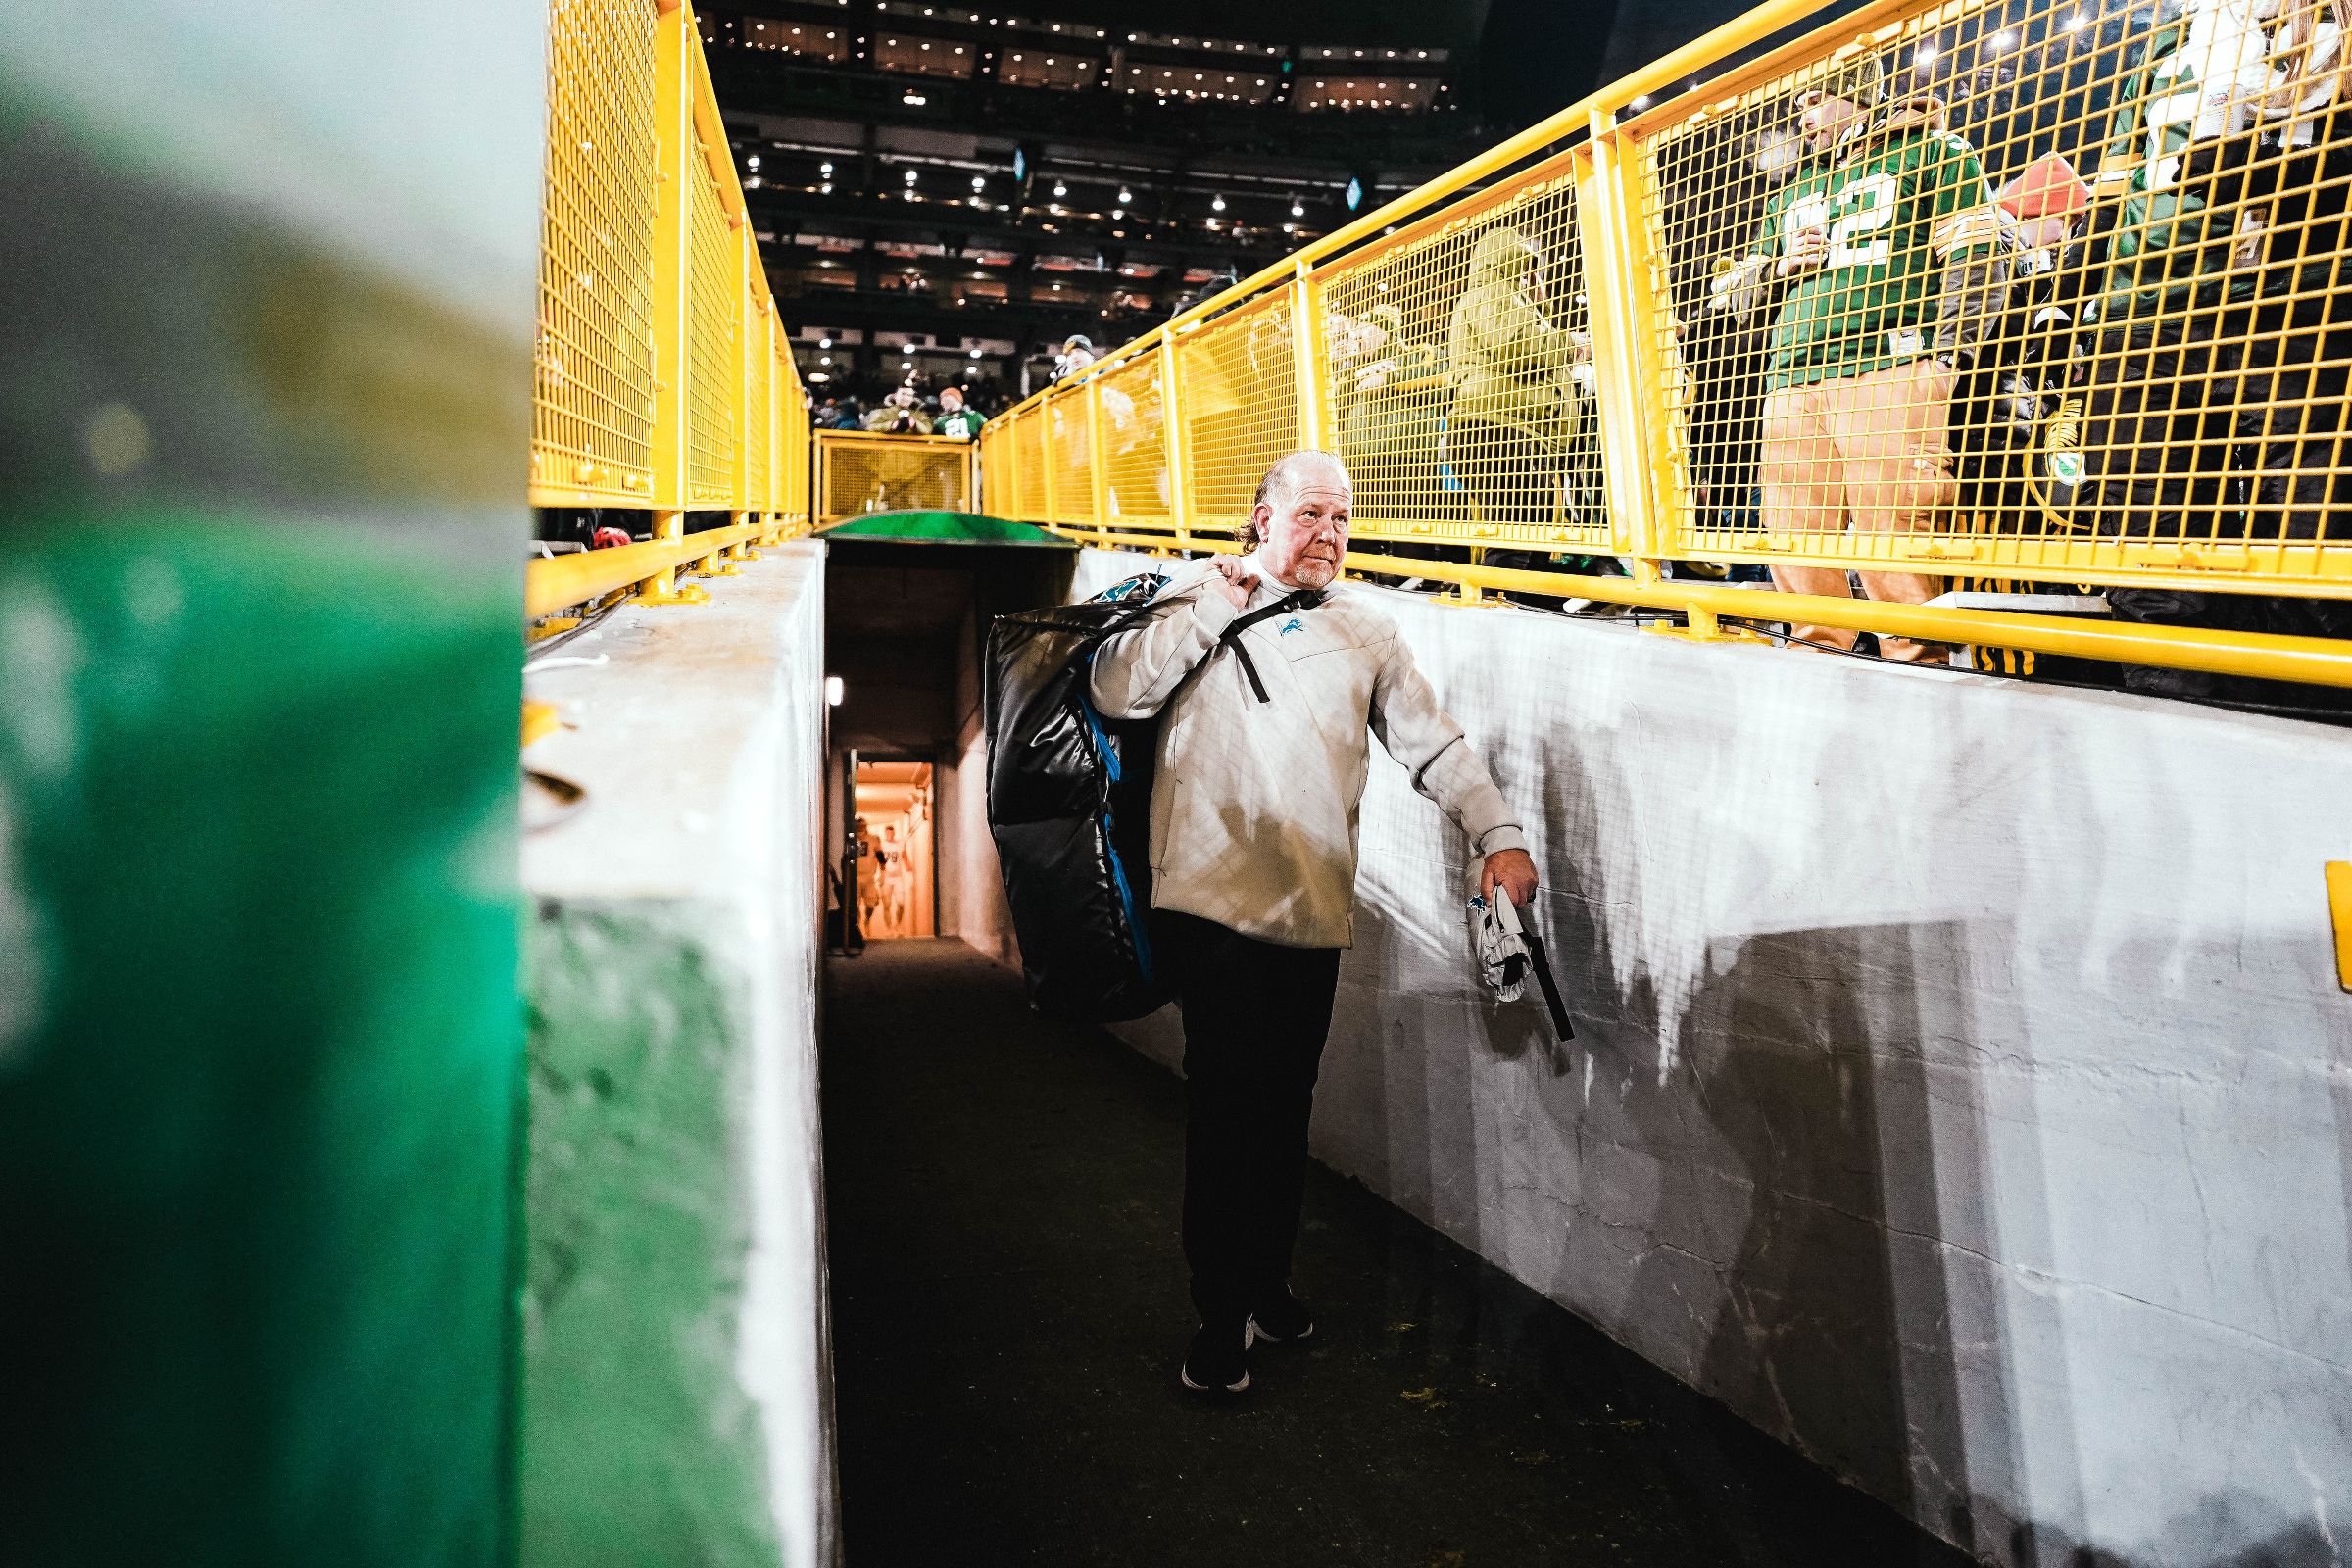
[(1255, 1019)]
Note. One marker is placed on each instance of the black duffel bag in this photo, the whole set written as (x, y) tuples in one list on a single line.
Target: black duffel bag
[(1069, 804)]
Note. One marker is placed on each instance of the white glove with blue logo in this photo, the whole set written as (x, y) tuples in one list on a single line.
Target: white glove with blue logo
[(1500, 944)]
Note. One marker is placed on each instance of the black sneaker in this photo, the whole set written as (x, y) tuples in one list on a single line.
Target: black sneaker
[(1218, 1362), (1280, 1321)]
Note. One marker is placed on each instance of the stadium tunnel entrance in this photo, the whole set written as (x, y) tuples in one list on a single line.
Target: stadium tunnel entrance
[(907, 618)]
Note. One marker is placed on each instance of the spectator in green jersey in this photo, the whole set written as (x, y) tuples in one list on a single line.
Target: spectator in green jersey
[(2225, 327), (954, 419), (1882, 262)]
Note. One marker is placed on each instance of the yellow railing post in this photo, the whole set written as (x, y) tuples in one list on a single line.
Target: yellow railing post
[(1625, 366), (673, 143), (1008, 471), (1306, 348), (1173, 442)]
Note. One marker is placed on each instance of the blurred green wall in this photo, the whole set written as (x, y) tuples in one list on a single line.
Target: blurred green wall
[(264, 409)]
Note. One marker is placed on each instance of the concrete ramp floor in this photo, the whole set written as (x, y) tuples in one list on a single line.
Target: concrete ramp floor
[(1009, 1303)]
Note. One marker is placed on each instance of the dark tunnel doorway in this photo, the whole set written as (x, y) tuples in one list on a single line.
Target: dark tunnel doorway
[(906, 628)]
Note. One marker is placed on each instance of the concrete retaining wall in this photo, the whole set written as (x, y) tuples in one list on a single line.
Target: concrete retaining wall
[(1963, 1089), (676, 1386)]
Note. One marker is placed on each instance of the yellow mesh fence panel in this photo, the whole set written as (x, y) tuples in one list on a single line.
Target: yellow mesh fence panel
[(793, 492), (793, 448), (783, 400), (1240, 405), (759, 415), (2033, 289), (1135, 446), (713, 293), (1457, 358), (1070, 420), (592, 413), (863, 473), (1972, 293), (1029, 456)]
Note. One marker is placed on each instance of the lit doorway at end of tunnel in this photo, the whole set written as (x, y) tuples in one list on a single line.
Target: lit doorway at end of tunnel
[(897, 888)]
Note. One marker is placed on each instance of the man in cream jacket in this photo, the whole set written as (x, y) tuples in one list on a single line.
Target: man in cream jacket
[(1267, 684)]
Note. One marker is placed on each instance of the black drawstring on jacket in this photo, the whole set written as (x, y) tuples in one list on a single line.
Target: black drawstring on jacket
[(1301, 598)]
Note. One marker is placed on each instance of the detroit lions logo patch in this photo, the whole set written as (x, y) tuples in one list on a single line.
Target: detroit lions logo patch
[(1293, 624)]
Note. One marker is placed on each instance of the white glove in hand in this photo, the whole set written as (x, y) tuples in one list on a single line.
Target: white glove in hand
[(1502, 947)]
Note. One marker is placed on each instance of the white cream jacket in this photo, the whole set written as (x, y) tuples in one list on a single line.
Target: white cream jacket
[(1253, 811)]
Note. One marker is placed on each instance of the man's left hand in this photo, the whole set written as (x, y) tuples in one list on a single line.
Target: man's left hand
[(1512, 870)]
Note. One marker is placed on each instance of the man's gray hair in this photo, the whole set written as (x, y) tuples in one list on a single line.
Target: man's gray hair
[(1282, 484)]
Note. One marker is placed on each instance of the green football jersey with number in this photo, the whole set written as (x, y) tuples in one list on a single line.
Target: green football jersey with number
[(1884, 208)]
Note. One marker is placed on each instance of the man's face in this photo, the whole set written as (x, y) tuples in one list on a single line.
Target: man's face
[(1307, 537), (1824, 120), (950, 400)]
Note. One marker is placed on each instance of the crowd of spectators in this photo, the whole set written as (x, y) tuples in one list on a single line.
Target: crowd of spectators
[(2083, 278), (909, 408)]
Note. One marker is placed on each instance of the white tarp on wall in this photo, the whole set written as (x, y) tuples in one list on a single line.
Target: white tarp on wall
[(1963, 1089)]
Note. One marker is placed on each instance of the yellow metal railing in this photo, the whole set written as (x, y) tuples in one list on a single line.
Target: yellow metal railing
[(862, 471), (2018, 291), (665, 382)]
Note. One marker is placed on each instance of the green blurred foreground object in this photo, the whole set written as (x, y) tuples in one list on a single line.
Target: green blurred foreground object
[(265, 382), (259, 1048)]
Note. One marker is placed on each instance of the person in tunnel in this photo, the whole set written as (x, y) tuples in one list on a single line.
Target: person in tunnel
[(1266, 680)]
